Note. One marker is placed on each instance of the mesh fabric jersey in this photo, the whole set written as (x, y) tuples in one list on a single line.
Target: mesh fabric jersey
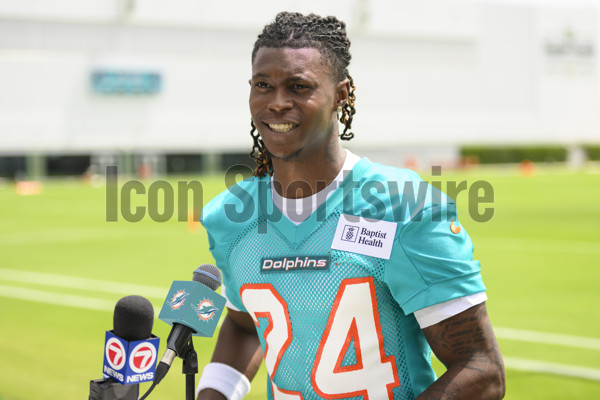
[(346, 329)]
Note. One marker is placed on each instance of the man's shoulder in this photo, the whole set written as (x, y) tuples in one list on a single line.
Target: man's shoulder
[(235, 206), (387, 181), (403, 192), (372, 171), (235, 193)]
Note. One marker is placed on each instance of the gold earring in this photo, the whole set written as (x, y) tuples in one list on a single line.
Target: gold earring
[(339, 109)]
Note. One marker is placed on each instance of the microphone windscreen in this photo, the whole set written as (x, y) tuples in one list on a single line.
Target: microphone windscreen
[(208, 275), (133, 318)]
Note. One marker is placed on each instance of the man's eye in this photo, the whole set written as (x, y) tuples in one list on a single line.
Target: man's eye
[(299, 86), (262, 85)]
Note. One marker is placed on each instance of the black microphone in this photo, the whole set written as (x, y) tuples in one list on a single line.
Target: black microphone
[(193, 308), (129, 351), (133, 318)]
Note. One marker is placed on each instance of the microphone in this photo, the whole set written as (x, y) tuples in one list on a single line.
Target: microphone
[(130, 351), (193, 309), (133, 318)]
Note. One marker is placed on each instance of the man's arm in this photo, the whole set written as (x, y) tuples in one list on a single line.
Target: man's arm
[(467, 346), (237, 346)]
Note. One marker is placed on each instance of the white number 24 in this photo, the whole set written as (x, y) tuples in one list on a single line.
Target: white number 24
[(353, 318)]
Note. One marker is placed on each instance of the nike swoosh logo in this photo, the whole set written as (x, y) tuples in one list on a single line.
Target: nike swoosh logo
[(455, 229)]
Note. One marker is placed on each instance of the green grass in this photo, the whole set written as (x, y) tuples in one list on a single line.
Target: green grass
[(539, 257)]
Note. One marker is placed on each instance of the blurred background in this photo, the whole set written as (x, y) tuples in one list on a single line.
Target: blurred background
[(505, 91), (139, 83)]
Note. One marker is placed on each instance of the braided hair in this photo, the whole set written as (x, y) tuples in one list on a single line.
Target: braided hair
[(326, 34)]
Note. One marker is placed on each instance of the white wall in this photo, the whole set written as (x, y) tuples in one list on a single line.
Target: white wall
[(427, 73), (492, 83)]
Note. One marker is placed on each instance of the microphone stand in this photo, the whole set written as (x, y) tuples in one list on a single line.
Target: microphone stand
[(184, 347), (190, 369)]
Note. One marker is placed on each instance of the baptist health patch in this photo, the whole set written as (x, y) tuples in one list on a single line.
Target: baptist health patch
[(366, 236)]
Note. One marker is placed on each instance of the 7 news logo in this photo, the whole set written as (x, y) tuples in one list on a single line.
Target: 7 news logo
[(115, 353), (142, 357), (129, 362)]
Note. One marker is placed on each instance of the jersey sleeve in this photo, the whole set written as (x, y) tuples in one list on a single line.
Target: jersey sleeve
[(438, 312), (434, 260)]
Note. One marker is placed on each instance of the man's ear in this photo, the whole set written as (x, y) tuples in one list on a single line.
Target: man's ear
[(341, 93)]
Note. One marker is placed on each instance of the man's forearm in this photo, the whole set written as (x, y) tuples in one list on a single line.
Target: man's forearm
[(474, 380), (467, 346), (237, 346)]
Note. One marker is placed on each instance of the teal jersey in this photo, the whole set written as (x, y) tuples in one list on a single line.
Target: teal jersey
[(333, 297)]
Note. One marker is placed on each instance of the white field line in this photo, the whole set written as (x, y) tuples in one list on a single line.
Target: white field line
[(557, 339), (69, 300), (59, 235), (543, 245), (521, 364), (72, 282)]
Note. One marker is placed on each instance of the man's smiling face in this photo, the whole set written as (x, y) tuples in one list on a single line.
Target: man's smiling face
[(293, 100)]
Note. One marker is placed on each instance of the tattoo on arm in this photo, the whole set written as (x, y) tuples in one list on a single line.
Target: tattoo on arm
[(466, 345)]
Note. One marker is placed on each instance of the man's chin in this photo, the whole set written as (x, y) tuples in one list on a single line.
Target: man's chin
[(286, 156)]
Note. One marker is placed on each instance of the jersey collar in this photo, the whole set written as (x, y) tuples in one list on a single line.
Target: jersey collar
[(295, 234)]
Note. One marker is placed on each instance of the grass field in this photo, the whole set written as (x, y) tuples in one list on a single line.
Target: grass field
[(63, 267)]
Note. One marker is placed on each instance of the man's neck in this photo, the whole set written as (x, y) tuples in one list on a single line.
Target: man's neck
[(309, 173)]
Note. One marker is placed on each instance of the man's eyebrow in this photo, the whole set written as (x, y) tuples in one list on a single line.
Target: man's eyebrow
[(295, 78), (260, 75), (298, 78)]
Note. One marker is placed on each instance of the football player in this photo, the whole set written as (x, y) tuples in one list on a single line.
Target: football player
[(340, 273)]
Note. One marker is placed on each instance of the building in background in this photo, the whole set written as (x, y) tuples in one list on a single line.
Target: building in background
[(159, 88)]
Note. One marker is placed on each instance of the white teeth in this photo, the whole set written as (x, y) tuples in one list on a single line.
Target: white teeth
[(281, 128)]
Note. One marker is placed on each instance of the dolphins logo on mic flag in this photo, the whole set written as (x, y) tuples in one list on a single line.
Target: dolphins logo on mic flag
[(206, 310), (178, 299)]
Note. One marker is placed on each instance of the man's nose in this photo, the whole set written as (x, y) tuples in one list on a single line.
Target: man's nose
[(280, 101)]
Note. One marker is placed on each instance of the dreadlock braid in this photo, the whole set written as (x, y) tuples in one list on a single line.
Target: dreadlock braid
[(259, 154), (348, 112), (326, 34)]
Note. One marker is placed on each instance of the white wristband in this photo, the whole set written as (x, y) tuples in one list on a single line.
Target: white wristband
[(225, 379)]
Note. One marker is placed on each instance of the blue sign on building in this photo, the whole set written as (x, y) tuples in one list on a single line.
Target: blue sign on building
[(126, 83)]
